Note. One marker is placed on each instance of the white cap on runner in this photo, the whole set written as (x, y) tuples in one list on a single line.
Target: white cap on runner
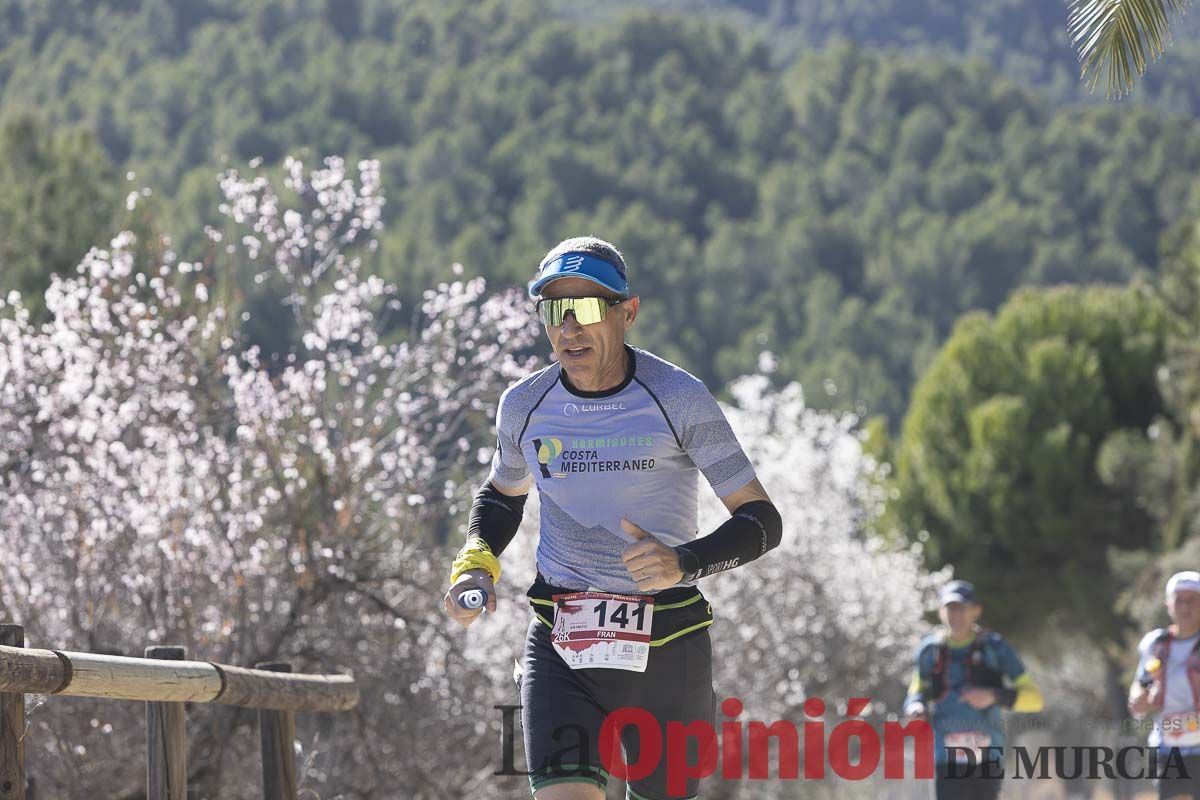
[(1188, 581)]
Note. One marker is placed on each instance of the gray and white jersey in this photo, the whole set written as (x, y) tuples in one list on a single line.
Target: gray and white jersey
[(633, 451)]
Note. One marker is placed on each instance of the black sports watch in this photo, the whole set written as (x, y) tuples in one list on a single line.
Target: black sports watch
[(689, 563)]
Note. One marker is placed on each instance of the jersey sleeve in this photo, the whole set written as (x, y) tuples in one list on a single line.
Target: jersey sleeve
[(1142, 674), (918, 686), (510, 472), (1010, 663), (709, 441)]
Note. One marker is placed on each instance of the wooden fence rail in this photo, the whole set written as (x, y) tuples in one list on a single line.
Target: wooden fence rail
[(164, 680)]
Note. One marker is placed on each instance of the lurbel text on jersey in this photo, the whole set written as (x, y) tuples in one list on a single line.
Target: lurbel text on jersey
[(571, 409)]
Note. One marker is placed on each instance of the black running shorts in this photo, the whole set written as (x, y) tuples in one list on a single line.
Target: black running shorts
[(562, 710), (1174, 785)]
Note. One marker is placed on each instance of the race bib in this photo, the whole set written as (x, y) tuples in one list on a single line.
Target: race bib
[(965, 741), (597, 630), (1182, 729)]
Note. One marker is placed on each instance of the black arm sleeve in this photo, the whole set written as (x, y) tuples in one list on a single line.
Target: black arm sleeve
[(495, 517), (1006, 697), (754, 528)]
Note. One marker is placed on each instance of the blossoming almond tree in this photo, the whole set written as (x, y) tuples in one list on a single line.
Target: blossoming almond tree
[(836, 612), (162, 485)]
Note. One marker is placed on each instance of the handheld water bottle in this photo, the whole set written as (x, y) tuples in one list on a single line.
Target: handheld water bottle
[(472, 599)]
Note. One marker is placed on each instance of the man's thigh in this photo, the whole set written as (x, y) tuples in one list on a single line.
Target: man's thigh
[(563, 712)]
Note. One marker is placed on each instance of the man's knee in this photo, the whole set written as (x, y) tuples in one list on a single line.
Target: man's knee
[(570, 791)]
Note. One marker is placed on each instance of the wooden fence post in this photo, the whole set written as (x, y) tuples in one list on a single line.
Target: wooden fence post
[(278, 731), (12, 727), (166, 740)]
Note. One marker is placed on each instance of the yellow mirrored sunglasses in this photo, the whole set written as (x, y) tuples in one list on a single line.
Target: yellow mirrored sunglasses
[(587, 310)]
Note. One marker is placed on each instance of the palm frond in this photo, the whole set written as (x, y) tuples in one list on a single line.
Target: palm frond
[(1117, 38)]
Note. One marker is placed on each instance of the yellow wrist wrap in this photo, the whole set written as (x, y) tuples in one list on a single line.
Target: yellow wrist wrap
[(475, 554)]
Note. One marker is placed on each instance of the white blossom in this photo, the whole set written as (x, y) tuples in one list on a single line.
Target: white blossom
[(162, 484)]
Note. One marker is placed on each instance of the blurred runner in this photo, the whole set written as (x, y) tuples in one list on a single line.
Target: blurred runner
[(964, 676), (1167, 683)]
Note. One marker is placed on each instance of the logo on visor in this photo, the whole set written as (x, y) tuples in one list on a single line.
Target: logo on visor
[(572, 263)]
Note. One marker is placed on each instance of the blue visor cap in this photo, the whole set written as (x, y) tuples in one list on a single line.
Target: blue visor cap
[(581, 265), (958, 592)]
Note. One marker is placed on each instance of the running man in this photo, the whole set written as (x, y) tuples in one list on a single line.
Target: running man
[(614, 438), (1167, 683), (964, 676)]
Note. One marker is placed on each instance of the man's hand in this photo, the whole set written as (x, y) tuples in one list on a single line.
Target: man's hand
[(1140, 703), (978, 696), (471, 579), (651, 563)]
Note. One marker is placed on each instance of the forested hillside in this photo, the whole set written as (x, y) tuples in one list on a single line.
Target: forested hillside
[(840, 210), (1027, 40)]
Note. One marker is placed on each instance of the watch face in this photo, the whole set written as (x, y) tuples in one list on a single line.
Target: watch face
[(689, 564)]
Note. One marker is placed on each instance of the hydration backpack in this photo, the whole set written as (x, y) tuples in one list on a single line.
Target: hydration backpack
[(980, 671)]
